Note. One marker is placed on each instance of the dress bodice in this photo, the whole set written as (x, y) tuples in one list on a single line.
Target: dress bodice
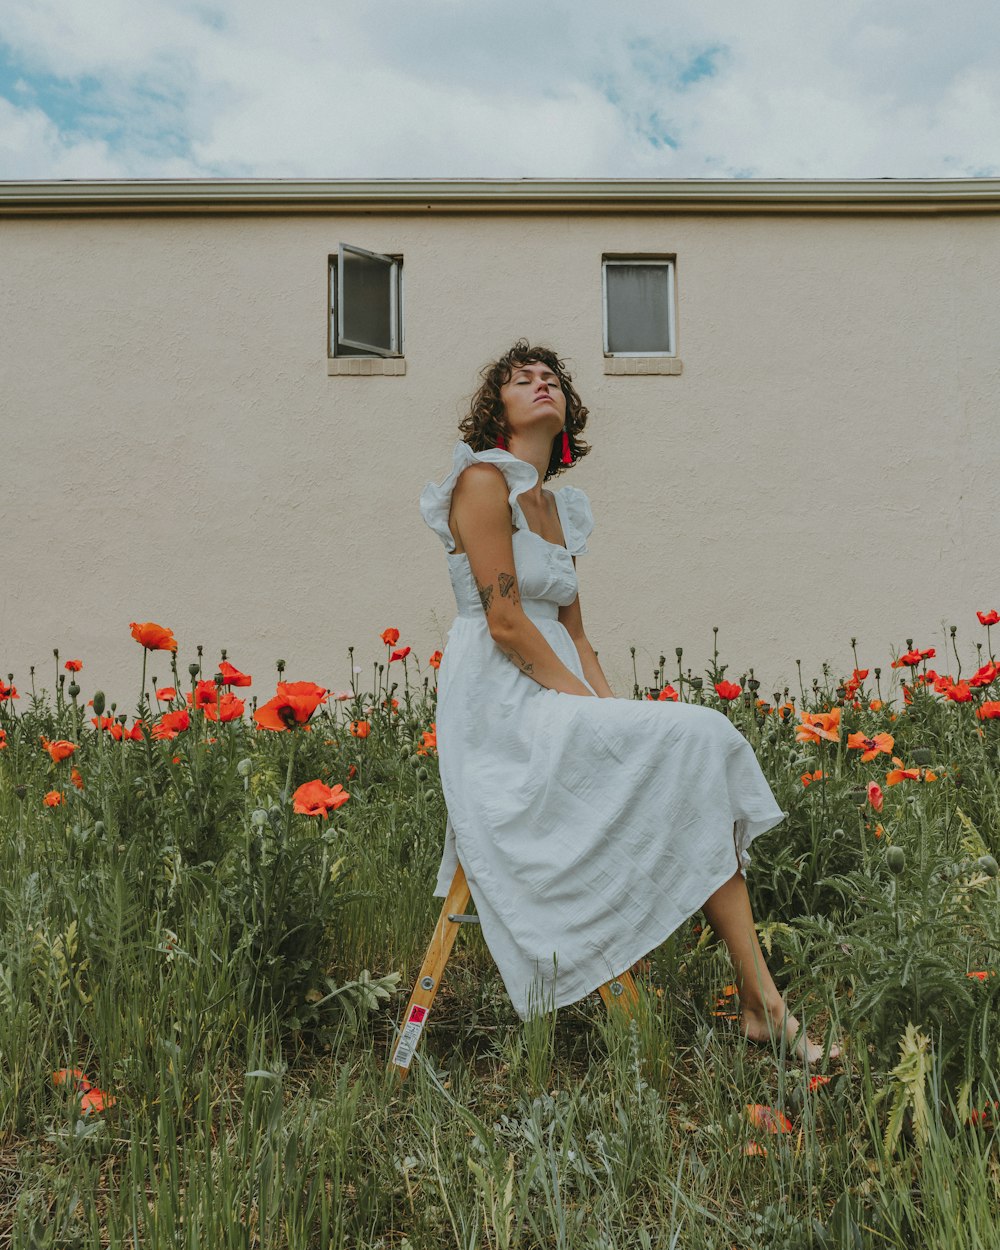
[(546, 576)]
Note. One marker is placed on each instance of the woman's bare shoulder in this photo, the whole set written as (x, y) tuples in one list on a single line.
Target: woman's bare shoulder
[(481, 478)]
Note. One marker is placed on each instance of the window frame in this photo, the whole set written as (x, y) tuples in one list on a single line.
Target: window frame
[(667, 261), (335, 304)]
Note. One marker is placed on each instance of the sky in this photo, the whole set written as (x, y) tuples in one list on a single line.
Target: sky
[(468, 89)]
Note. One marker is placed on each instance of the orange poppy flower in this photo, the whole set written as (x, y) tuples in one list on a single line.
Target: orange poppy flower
[(817, 725), (360, 728), (754, 1148), (399, 655), (3, 738), (60, 750), (988, 618), (428, 741), (767, 1118), (901, 773), (166, 693), (74, 1076), (53, 798), (73, 666), (232, 676), (135, 733), (727, 690), (871, 746), (352, 772), (313, 798), (875, 705), (95, 1101), (875, 795), (8, 692), (293, 705), (435, 660), (76, 779), (153, 637), (989, 710), (816, 1081), (878, 831), (390, 637), (171, 724), (809, 778), (959, 693), (229, 708), (980, 975)]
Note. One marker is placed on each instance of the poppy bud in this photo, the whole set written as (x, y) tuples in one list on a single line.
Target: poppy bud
[(74, 689), (422, 776), (245, 768), (258, 817), (921, 756), (987, 864), (21, 791), (895, 859), (98, 827), (98, 702)]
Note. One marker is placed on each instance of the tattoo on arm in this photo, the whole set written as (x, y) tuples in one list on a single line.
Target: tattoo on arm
[(508, 585), (486, 595), (517, 658)]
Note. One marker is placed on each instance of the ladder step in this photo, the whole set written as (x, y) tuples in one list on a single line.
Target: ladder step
[(463, 919)]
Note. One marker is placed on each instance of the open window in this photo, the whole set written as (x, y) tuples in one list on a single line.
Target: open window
[(365, 303), (639, 316)]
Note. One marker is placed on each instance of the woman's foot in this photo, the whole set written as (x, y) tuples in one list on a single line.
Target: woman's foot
[(762, 1024)]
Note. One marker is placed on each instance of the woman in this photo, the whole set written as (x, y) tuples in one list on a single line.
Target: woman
[(589, 826)]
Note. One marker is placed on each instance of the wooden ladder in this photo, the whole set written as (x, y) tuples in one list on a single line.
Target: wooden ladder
[(619, 993)]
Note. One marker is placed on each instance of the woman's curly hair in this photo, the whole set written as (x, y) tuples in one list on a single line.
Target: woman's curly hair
[(485, 422)]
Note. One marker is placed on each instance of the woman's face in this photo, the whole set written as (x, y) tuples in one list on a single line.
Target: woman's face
[(533, 397)]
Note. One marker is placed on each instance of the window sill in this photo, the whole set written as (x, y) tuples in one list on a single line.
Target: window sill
[(365, 366), (641, 364)]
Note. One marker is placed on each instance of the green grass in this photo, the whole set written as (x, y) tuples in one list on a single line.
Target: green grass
[(233, 974)]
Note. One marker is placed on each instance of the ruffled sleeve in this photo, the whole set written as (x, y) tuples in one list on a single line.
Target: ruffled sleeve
[(435, 498), (576, 510)]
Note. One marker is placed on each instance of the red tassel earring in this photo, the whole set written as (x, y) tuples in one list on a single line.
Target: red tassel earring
[(567, 457), (500, 443)]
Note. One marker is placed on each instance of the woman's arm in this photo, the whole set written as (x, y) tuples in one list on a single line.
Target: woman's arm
[(572, 617), (481, 514)]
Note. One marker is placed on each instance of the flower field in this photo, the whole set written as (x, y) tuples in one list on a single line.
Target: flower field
[(215, 892)]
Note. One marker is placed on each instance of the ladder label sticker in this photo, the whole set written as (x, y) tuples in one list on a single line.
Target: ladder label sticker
[(410, 1036)]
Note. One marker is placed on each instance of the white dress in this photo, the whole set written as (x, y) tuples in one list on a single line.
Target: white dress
[(589, 829)]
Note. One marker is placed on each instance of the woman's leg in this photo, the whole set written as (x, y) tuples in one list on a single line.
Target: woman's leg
[(762, 1009)]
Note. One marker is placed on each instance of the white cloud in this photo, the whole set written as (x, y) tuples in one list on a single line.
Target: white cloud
[(173, 88)]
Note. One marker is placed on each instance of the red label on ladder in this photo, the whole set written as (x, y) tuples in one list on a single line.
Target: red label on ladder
[(409, 1036)]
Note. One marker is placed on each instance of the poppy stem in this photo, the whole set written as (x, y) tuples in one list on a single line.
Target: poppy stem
[(287, 795)]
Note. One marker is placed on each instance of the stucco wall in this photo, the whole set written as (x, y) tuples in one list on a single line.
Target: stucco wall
[(173, 449)]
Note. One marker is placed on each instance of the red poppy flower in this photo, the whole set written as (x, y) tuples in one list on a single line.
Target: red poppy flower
[(171, 724), (293, 705), (435, 660), (3, 738), (985, 675), (816, 1081), (8, 692), (166, 693), (360, 728), (60, 750), (809, 778), (232, 676), (73, 666), (988, 618), (911, 658), (76, 779), (153, 637), (313, 798), (959, 693), (204, 695), (875, 795), (390, 637), (989, 711), (229, 708), (668, 692), (727, 690), (352, 772), (53, 798), (399, 655)]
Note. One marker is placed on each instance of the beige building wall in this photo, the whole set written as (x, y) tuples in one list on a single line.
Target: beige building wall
[(824, 466)]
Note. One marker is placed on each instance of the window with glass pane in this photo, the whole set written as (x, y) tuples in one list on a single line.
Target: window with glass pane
[(364, 303), (639, 308)]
